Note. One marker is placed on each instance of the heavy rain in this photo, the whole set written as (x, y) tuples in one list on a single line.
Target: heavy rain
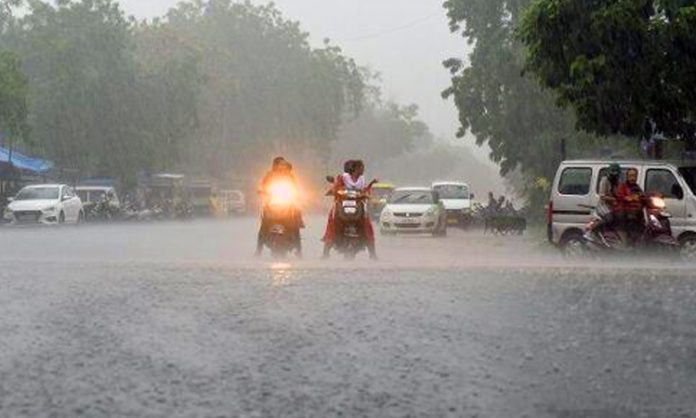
[(320, 208)]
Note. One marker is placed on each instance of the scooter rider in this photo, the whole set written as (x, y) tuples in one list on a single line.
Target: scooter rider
[(281, 169), (631, 197), (608, 210), (352, 179)]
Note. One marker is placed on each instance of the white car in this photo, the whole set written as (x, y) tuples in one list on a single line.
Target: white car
[(45, 204), (414, 209), (456, 198)]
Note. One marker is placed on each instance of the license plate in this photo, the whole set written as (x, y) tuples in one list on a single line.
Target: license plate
[(278, 230), (453, 221), (351, 211), (350, 203), (410, 221)]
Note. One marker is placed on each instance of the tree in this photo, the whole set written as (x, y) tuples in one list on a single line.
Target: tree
[(13, 98), (626, 67), (266, 89), (501, 106)]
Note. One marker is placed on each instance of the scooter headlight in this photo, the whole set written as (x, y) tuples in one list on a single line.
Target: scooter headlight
[(657, 202), (282, 193)]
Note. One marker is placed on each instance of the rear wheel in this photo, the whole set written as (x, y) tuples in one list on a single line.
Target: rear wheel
[(573, 246)]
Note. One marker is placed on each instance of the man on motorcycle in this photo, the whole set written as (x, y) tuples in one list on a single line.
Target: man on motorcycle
[(608, 208), (631, 198), (353, 178), (280, 170)]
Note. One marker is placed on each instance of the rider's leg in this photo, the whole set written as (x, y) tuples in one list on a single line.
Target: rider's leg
[(261, 238)]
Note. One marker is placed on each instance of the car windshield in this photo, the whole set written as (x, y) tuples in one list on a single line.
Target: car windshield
[(689, 175), (406, 197), (452, 191), (383, 192), (38, 193)]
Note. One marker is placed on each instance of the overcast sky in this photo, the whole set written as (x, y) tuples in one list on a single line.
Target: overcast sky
[(405, 40)]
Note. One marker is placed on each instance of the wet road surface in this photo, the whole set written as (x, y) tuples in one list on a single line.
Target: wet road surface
[(178, 320)]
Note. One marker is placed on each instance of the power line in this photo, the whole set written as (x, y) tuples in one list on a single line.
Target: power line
[(392, 30)]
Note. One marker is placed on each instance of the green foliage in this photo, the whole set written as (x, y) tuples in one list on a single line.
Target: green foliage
[(499, 105), (382, 130), (625, 67), (267, 90), (13, 97), (214, 86)]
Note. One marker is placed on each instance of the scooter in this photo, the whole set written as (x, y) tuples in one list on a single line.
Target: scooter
[(656, 234), (350, 214), (281, 215)]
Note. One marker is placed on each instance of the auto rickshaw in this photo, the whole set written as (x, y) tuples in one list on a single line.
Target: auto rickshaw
[(378, 198)]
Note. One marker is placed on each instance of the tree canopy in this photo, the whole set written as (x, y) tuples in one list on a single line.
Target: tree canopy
[(13, 97), (625, 67), (501, 106), (211, 87)]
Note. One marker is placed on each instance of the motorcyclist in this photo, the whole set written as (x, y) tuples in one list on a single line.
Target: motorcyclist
[(608, 209), (352, 178), (631, 198), (281, 169)]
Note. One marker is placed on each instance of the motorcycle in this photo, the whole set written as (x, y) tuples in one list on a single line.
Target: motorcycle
[(656, 233), (281, 216), (350, 214)]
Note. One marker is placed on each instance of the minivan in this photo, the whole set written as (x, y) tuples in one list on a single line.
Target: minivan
[(456, 197), (575, 189)]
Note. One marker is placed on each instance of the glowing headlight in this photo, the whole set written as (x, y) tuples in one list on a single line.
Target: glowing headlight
[(658, 202), (282, 193)]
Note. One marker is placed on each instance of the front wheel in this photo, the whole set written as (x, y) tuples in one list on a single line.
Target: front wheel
[(688, 248)]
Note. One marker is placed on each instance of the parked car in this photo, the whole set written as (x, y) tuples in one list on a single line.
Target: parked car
[(414, 209), (456, 198), (45, 204), (575, 193), (233, 202)]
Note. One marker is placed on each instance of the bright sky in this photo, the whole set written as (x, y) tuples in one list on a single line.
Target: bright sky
[(405, 40)]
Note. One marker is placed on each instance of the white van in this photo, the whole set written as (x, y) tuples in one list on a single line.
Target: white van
[(575, 192), (456, 198)]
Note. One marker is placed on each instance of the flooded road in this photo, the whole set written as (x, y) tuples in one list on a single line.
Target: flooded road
[(179, 320)]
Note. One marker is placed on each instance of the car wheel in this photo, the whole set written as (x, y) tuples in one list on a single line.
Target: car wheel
[(573, 246), (61, 218), (688, 248)]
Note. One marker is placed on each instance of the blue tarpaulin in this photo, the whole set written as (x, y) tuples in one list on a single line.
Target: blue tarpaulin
[(25, 163)]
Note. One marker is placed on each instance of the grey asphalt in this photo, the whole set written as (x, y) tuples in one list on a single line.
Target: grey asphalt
[(178, 320)]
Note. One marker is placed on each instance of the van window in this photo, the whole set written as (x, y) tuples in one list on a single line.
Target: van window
[(661, 182), (575, 181), (689, 175), (605, 172)]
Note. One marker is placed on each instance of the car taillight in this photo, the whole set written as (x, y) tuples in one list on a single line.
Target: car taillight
[(549, 212)]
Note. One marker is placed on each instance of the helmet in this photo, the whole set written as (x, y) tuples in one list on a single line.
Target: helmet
[(614, 170)]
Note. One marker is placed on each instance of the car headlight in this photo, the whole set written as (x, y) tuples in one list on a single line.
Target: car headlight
[(8, 213), (51, 209), (430, 212), (386, 213)]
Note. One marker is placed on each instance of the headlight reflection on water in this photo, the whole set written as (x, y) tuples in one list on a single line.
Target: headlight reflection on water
[(281, 274)]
